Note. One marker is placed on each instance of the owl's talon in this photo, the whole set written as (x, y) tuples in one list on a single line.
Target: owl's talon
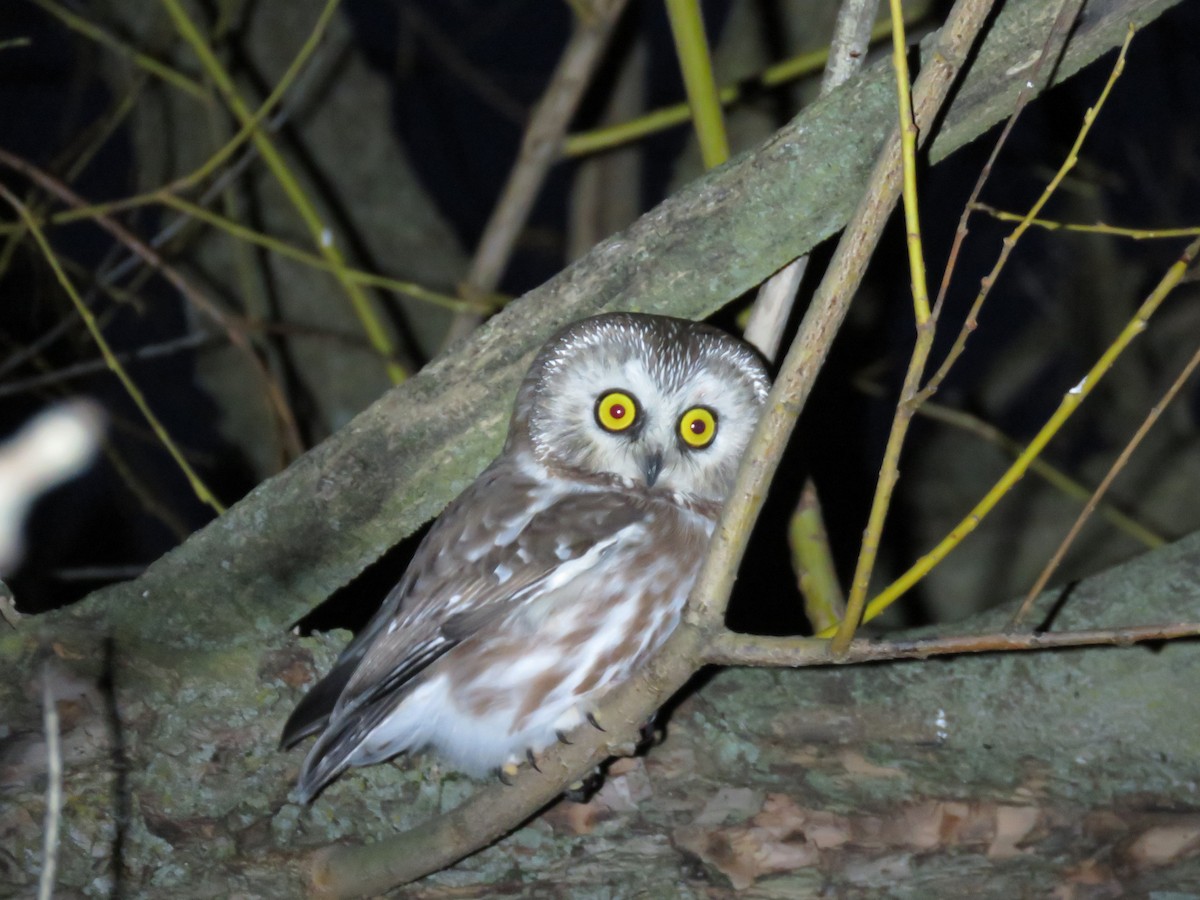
[(562, 737), (592, 720), (532, 757), (585, 788), (650, 734), (508, 772)]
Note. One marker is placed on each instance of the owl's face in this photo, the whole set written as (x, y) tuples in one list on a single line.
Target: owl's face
[(666, 403)]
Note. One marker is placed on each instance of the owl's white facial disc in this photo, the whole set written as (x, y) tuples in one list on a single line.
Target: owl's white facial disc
[(687, 398)]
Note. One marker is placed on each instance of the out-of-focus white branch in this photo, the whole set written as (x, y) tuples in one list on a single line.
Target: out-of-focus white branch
[(52, 447)]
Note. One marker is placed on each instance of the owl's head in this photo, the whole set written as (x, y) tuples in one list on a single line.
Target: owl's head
[(666, 403)]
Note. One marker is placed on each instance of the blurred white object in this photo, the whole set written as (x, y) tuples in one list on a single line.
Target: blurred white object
[(54, 446)]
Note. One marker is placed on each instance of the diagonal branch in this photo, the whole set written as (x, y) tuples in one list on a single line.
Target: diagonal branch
[(487, 816)]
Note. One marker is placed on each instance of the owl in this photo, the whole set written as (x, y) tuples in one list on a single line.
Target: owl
[(562, 569)]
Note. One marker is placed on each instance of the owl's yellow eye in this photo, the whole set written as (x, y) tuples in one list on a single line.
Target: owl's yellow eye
[(616, 411), (698, 427)]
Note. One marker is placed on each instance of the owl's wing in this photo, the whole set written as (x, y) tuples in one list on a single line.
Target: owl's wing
[(466, 581), (477, 565)]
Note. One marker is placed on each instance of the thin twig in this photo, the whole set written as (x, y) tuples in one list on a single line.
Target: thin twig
[(539, 151), (1064, 23), (91, 366), (1069, 403), (145, 61), (1137, 234), (226, 322), (53, 789), (1056, 41), (321, 235), (731, 649), (1106, 482), (889, 472), (777, 296), (198, 486), (1051, 474)]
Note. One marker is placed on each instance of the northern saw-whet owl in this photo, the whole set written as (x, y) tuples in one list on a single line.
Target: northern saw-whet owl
[(563, 568)]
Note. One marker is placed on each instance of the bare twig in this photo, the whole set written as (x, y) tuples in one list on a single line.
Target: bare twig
[(1102, 489), (198, 486), (321, 236), (1137, 234), (889, 471), (776, 297), (730, 649), (66, 373), (1049, 473), (539, 151), (1067, 406), (225, 321), (53, 789), (1059, 32)]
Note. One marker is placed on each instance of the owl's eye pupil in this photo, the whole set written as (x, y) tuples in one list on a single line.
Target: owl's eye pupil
[(617, 411), (698, 427)]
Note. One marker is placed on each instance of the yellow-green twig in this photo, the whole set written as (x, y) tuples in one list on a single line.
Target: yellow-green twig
[(202, 491), (93, 32), (1051, 474), (1114, 470), (586, 142), (1137, 234), (960, 342), (282, 248), (691, 47), (1069, 404), (889, 472), (322, 236)]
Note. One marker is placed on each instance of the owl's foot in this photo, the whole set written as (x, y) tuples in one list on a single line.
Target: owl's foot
[(508, 772), (649, 734), (583, 790)]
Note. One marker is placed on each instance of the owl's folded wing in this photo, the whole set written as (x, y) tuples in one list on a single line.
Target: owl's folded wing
[(452, 599), (457, 587)]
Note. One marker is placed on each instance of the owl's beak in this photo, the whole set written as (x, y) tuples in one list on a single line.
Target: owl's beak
[(652, 467)]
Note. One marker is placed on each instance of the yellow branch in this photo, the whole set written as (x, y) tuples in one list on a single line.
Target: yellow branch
[(889, 472), (691, 46), (1069, 404)]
